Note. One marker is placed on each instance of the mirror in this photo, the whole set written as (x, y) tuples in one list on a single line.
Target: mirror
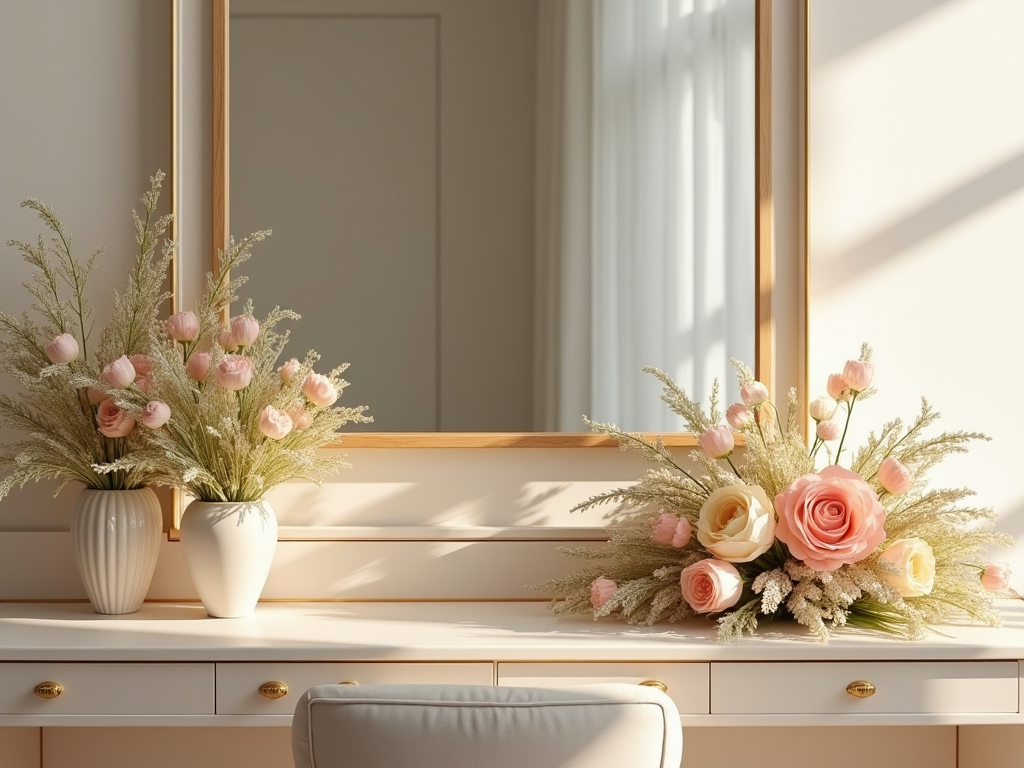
[(487, 208)]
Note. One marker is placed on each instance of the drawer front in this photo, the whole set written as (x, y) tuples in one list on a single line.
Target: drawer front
[(899, 688), (238, 685), (108, 689), (688, 683)]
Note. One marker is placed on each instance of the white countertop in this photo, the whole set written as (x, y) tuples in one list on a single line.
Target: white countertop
[(470, 631)]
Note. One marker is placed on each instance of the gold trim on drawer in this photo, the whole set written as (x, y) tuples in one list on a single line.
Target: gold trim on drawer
[(656, 684), (861, 689), (49, 690), (273, 690)]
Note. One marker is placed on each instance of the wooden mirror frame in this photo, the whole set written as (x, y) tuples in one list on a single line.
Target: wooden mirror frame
[(764, 331)]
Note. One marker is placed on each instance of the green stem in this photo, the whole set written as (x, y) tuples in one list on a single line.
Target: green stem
[(727, 458), (778, 419), (849, 413)]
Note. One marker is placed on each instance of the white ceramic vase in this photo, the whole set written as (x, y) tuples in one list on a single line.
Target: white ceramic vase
[(228, 548), (116, 538)]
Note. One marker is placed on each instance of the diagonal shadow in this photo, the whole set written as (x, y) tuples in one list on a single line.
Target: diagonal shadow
[(939, 214), (855, 24)]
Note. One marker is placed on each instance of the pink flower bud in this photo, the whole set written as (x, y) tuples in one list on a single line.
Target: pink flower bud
[(245, 329), (143, 372), (198, 366), (716, 442), (829, 430), (234, 372), (226, 339), (275, 424), (183, 326), (119, 373), (753, 393), (319, 390), (836, 387), (112, 421), (155, 414), (894, 477), (739, 416), (858, 374), (63, 348), (301, 418), (671, 530), (996, 577), (289, 369), (601, 591), (822, 408)]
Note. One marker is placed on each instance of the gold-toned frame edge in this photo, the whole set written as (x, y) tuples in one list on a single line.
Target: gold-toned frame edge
[(174, 276), (764, 321)]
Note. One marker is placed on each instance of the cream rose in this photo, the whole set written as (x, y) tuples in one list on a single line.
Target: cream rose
[(916, 562), (737, 523)]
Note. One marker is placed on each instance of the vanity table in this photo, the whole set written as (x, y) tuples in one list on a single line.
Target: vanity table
[(171, 665)]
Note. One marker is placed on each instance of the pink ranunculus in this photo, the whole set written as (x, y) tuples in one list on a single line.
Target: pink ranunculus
[(245, 329), (301, 418), (710, 586), (830, 518), (753, 393), (894, 476), (739, 416), (836, 387), (858, 374), (671, 530), (234, 372), (275, 424), (996, 577), (63, 348), (119, 373), (601, 591), (716, 442), (113, 421), (289, 369), (822, 408), (828, 430), (198, 366), (155, 414), (319, 390), (183, 326)]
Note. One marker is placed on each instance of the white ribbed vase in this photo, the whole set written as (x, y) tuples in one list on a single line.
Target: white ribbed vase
[(228, 548), (116, 538)]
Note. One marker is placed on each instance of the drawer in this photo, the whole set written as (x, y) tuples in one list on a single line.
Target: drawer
[(108, 689), (900, 688), (238, 685), (687, 683)]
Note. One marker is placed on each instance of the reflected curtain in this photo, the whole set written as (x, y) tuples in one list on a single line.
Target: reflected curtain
[(645, 205)]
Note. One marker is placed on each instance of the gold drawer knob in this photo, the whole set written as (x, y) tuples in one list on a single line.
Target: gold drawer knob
[(656, 684), (49, 690), (348, 682), (273, 690), (861, 689)]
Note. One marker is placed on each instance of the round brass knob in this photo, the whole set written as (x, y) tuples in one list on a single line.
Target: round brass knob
[(273, 690), (861, 689), (656, 684), (348, 682), (49, 690)]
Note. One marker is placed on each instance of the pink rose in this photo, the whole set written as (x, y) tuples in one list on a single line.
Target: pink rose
[(739, 416), (234, 372), (857, 374), (301, 418), (112, 421), (710, 586), (198, 366), (716, 442), (319, 390), (828, 430), (894, 476), (996, 577), (245, 329), (119, 373), (830, 519), (671, 530), (183, 326), (822, 408), (63, 348), (601, 591), (155, 414), (837, 388), (289, 369), (753, 393), (275, 424)]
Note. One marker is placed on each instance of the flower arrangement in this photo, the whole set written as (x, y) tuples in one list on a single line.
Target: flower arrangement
[(785, 531)]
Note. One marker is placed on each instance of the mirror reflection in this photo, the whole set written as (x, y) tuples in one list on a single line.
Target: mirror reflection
[(499, 212)]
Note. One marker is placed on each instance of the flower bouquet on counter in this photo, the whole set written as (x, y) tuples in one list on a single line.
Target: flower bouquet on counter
[(785, 531)]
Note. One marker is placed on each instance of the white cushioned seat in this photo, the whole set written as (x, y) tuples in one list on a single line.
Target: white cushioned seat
[(464, 726)]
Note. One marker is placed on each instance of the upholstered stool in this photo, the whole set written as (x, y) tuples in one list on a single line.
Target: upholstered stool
[(460, 726)]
